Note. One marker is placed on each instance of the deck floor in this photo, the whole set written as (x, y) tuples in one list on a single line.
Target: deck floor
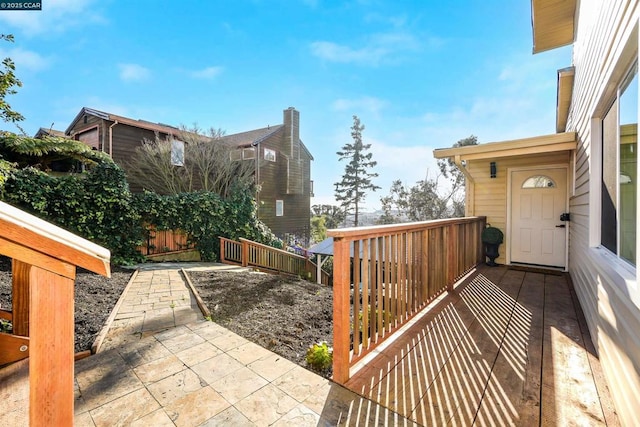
[(507, 347)]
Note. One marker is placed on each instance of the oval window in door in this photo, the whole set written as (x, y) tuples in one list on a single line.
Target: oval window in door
[(539, 181)]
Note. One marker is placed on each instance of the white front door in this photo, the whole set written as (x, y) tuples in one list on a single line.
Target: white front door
[(538, 198)]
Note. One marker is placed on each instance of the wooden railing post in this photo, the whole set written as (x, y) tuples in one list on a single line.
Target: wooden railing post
[(51, 356), (451, 242), (341, 305), (20, 297), (245, 252)]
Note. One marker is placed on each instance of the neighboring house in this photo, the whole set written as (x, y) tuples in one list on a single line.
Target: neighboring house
[(42, 132), (282, 162), (570, 200)]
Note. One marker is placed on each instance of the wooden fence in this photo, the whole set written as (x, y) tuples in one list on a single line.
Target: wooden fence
[(385, 275), (252, 254), (165, 241)]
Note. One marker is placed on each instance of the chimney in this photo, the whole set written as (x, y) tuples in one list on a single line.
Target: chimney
[(292, 131)]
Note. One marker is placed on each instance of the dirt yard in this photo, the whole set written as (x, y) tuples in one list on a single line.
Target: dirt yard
[(283, 314), (95, 297)]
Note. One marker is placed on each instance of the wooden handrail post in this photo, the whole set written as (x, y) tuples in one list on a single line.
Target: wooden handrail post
[(20, 295), (245, 252), (341, 305), (51, 355), (451, 242), (222, 249)]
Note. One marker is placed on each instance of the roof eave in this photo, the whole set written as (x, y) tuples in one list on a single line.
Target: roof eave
[(565, 141), (553, 23), (564, 95)]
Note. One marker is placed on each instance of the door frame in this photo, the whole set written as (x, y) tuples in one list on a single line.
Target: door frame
[(509, 233)]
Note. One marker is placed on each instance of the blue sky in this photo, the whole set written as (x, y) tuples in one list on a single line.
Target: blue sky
[(420, 74)]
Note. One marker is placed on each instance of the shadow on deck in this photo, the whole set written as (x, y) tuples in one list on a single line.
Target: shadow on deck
[(506, 347)]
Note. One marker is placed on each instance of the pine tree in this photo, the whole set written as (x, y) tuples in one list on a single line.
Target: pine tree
[(351, 191)]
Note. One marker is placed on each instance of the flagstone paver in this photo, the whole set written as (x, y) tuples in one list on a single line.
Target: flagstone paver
[(192, 373)]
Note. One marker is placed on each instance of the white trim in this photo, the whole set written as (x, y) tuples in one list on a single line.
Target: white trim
[(509, 233), (595, 182)]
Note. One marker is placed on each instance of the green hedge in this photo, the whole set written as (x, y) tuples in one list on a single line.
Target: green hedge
[(99, 207), (206, 217)]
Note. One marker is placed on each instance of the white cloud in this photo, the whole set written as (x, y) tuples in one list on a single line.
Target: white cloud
[(26, 59), (56, 16), (366, 103), (207, 73), (133, 72), (377, 49)]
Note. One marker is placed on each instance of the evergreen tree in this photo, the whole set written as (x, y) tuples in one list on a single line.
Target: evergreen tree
[(351, 191)]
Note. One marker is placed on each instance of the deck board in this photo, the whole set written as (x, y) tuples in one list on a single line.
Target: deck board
[(506, 347)]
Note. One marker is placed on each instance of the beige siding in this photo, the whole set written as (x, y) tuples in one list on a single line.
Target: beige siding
[(606, 43), (490, 194)]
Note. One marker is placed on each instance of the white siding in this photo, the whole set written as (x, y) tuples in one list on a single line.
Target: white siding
[(606, 44)]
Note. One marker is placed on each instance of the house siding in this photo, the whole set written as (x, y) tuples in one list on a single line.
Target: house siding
[(607, 287), (287, 179), (280, 181), (489, 196)]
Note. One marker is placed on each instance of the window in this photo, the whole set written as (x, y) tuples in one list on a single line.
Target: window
[(279, 207), (269, 154), (177, 152), (539, 181), (249, 153), (243, 154), (619, 171)]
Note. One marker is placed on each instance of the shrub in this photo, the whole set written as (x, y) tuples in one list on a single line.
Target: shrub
[(320, 356), (95, 205), (205, 217)]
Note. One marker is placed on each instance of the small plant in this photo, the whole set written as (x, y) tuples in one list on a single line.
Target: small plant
[(320, 356), (5, 326)]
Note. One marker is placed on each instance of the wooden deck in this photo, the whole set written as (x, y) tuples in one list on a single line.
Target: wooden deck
[(506, 347)]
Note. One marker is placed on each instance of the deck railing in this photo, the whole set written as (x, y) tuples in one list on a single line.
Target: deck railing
[(384, 275), (252, 254)]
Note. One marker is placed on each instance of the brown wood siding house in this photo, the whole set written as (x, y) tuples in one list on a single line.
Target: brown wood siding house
[(282, 161)]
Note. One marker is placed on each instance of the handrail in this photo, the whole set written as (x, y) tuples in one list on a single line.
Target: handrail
[(248, 253), (395, 271)]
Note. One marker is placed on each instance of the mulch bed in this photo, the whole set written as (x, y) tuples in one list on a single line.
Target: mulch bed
[(281, 313), (95, 297)]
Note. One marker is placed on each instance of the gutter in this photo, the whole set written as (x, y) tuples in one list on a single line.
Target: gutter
[(111, 138)]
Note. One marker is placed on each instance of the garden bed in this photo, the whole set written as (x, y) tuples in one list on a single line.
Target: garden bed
[(95, 297), (281, 313)]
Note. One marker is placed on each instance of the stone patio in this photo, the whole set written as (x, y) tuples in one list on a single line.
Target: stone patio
[(162, 364)]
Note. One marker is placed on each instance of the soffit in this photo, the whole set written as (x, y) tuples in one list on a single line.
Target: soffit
[(553, 23)]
